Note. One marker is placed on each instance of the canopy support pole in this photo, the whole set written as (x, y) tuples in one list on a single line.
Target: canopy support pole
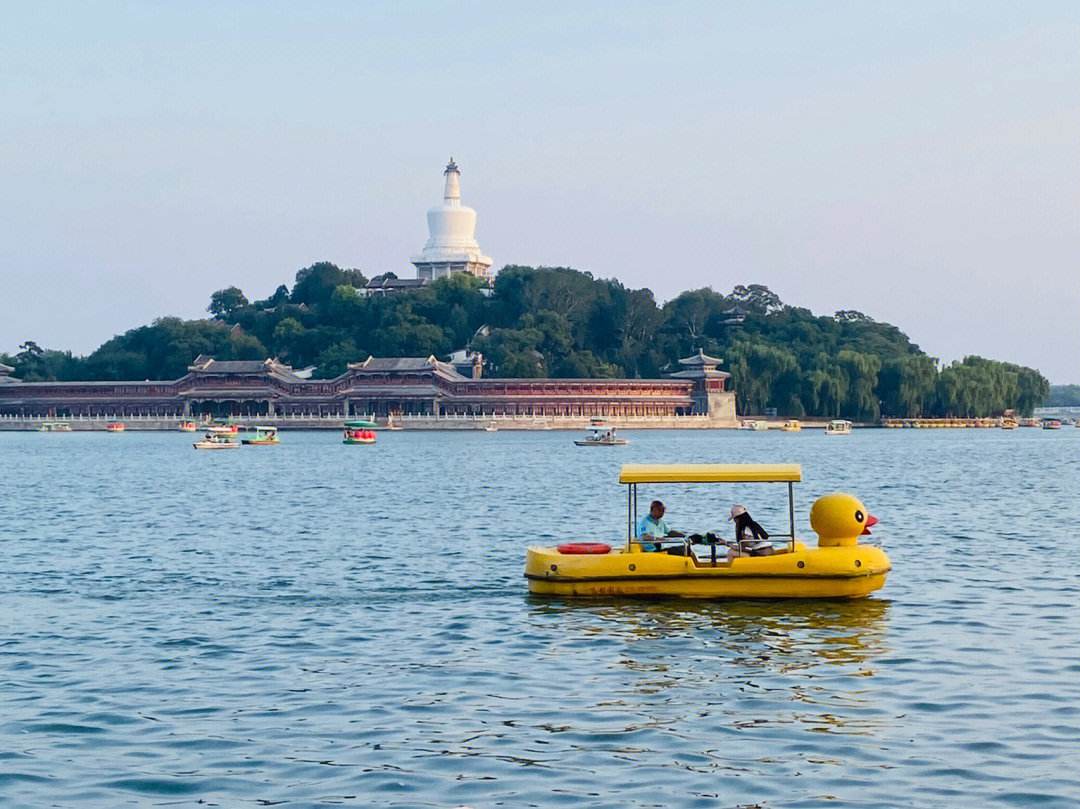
[(791, 512)]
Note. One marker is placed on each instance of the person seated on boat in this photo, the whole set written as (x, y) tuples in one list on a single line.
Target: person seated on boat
[(652, 526), (757, 544)]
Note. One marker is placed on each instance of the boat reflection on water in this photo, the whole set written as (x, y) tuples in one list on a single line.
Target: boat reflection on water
[(752, 635), (784, 668)]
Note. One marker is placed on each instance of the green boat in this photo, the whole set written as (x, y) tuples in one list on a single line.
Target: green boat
[(359, 432)]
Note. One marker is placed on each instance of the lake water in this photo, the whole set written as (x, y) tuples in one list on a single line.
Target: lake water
[(319, 625)]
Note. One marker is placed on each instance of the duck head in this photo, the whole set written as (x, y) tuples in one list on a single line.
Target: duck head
[(840, 519)]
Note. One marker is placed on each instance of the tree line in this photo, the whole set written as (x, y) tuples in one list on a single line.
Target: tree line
[(561, 322)]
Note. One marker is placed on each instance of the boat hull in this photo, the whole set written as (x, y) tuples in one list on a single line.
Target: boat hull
[(842, 572), (358, 441), (619, 442)]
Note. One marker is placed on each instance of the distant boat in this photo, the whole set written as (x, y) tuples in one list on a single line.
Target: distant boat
[(263, 437), (754, 424), (359, 432), (188, 427), (491, 427), (1051, 424), (792, 426), (838, 427), (115, 427), (601, 435), (54, 427), (218, 438)]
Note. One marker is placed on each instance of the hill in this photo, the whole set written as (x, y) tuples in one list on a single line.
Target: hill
[(561, 322)]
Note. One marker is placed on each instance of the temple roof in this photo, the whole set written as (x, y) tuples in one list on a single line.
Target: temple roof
[(397, 364), (698, 373), (398, 283), (700, 359), (208, 365)]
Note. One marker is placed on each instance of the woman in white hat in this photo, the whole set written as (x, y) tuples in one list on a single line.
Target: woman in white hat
[(759, 545)]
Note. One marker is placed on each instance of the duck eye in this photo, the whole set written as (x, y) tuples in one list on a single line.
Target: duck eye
[(859, 516)]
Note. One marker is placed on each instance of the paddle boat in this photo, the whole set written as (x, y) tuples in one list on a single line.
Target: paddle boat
[(115, 427), (838, 427), (792, 426), (54, 427), (359, 432), (601, 435), (1051, 424), (187, 427), (262, 437), (218, 438), (838, 567), (754, 424)]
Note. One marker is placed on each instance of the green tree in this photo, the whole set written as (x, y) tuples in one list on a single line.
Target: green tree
[(316, 284), (225, 302)]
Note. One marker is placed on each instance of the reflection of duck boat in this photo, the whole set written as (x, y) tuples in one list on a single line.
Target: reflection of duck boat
[(838, 427), (262, 437), (839, 567), (115, 427), (218, 438), (54, 427), (359, 432), (792, 426), (601, 435)]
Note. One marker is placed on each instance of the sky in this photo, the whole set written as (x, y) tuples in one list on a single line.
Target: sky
[(919, 162)]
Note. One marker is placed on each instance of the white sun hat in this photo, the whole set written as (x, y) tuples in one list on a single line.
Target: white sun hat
[(736, 511)]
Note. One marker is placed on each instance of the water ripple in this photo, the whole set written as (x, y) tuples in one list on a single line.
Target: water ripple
[(318, 626)]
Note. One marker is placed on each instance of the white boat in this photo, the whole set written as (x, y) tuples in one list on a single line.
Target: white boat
[(753, 424), (601, 435), (491, 427), (838, 427), (54, 427), (218, 438)]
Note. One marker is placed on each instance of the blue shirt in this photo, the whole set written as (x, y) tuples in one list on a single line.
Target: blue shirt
[(658, 528)]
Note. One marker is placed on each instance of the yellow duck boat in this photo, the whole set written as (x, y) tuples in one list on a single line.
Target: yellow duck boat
[(839, 567)]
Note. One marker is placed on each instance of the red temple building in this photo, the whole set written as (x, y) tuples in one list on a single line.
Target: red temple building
[(417, 386)]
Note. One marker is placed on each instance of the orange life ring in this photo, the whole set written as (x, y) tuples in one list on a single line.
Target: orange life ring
[(583, 547)]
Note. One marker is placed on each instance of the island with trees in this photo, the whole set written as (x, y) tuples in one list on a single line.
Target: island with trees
[(563, 323)]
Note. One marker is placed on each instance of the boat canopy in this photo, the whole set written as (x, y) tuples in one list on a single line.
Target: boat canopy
[(711, 473), (360, 425)]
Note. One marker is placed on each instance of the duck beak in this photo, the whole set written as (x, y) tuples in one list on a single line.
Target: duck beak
[(870, 520)]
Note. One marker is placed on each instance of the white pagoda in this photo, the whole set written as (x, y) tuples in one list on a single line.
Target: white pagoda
[(451, 246)]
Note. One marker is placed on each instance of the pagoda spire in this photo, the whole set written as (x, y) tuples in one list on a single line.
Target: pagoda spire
[(452, 192)]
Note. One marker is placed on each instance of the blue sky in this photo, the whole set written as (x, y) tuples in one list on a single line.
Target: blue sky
[(917, 161)]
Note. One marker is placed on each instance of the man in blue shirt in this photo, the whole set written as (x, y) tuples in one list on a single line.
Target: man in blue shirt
[(652, 526)]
